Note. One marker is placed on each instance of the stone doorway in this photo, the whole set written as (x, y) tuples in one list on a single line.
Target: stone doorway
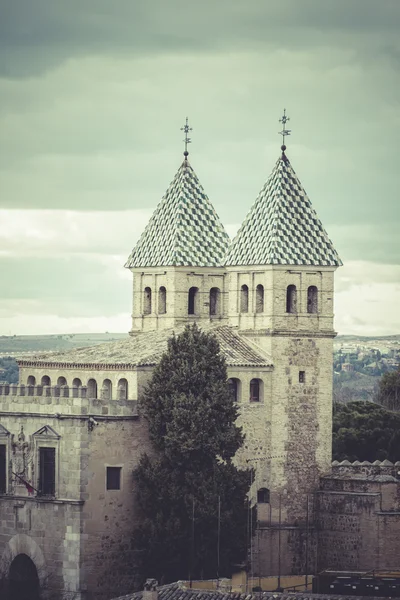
[(23, 580)]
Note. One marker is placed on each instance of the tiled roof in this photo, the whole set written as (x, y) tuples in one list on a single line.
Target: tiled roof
[(184, 230), (146, 349), (282, 227)]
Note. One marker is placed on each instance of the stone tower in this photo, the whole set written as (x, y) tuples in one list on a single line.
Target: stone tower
[(280, 268), (177, 264)]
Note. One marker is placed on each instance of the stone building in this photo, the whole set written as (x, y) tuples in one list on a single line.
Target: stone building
[(71, 434)]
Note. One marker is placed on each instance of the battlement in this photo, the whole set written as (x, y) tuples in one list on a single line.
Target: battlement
[(56, 391), (365, 468)]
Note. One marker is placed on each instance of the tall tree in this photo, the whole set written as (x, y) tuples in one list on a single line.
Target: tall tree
[(389, 390), (192, 500)]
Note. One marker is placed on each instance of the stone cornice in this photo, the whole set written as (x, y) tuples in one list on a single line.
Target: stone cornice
[(80, 366)]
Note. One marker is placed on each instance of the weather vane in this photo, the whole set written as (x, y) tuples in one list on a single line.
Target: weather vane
[(284, 131), (187, 139)]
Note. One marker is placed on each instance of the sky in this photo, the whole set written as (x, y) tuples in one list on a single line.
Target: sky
[(93, 96)]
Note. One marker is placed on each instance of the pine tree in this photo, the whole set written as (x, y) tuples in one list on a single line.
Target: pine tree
[(192, 500)]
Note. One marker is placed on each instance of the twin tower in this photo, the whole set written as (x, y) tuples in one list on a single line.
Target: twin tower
[(273, 285)]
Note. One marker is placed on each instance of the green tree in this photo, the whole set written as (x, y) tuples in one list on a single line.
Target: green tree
[(389, 390), (191, 499), (365, 431)]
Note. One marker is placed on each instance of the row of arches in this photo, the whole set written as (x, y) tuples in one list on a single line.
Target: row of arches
[(256, 389), (106, 389), (291, 299)]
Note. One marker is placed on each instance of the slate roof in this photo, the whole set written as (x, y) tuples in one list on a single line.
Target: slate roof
[(184, 230), (177, 591), (146, 349), (282, 228)]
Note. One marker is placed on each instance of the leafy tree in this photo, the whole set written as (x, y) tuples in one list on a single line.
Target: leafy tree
[(10, 373), (365, 431), (191, 498), (389, 390)]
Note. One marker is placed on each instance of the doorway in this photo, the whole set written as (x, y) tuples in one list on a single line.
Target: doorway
[(23, 580)]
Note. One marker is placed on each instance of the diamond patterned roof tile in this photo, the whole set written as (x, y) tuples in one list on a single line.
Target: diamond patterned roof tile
[(282, 227), (184, 230)]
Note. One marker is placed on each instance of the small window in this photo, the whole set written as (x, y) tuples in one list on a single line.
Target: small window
[(234, 385), (263, 496), (45, 380), (255, 389), (113, 478), (122, 389), (77, 382), (162, 300), (47, 471), (312, 299), (302, 376), (244, 299), (61, 381), (31, 380), (147, 301), (3, 469), (92, 389), (291, 299), (259, 298), (106, 390), (193, 300), (215, 300)]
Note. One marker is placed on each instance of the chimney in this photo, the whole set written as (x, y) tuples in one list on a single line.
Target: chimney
[(150, 590)]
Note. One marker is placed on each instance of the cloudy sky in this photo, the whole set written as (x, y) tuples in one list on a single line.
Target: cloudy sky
[(93, 95)]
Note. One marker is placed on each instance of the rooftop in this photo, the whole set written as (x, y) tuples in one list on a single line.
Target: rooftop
[(282, 228), (184, 230)]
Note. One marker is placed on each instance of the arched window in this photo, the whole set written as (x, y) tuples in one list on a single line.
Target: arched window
[(215, 301), (77, 382), (263, 496), (31, 380), (92, 389), (61, 381), (106, 390), (147, 301), (122, 389), (244, 299), (162, 300), (255, 390), (260, 298), (291, 299), (312, 299), (193, 301), (45, 380), (234, 388)]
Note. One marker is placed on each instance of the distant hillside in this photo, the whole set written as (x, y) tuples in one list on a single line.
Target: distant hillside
[(367, 338), (21, 344)]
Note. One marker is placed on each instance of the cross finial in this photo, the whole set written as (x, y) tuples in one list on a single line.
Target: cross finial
[(284, 131), (187, 139)]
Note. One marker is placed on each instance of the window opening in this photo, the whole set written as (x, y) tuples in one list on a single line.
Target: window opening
[(263, 496), (312, 299), (122, 389), (193, 301), (233, 385), (255, 390), (3, 469), (92, 389), (291, 299), (47, 471), (162, 300), (244, 299), (46, 380), (106, 390), (113, 478), (260, 298), (31, 380), (61, 381), (302, 376), (147, 301), (77, 382), (215, 295)]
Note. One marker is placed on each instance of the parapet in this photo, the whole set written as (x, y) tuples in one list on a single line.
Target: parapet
[(365, 469)]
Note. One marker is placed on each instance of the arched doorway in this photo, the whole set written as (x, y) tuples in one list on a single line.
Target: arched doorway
[(23, 580)]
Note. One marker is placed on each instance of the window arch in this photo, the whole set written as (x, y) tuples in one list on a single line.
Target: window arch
[(31, 380), (147, 301), (263, 496), (106, 390), (255, 390), (259, 298), (45, 380), (162, 300), (244, 299), (312, 299), (215, 301), (291, 299), (61, 381), (122, 389), (77, 382), (92, 389), (234, 388), (193, 301)]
